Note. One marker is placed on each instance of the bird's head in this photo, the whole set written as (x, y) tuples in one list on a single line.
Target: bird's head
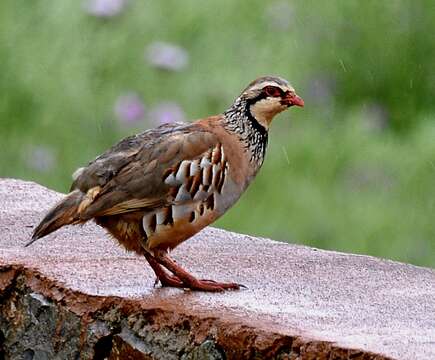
[(267, 96)]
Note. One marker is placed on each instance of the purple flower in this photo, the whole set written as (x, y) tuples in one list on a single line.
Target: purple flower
[(129, 108), (280, 14), (375, 117), (104, 8), (39, 158), (166, 112), (167, 56), (366, 176), (321, 90)]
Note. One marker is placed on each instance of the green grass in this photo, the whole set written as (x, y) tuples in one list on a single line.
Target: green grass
[(353, 171)]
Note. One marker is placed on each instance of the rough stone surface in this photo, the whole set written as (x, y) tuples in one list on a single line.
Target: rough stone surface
[(76, 294)]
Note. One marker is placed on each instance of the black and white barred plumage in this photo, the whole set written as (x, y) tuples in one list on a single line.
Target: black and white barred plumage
[(251, 133)]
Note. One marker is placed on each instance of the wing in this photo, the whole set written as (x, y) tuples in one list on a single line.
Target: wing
[(106, 166), (150, 170)]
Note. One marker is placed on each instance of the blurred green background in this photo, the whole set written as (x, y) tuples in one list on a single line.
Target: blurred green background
[(353, 171)]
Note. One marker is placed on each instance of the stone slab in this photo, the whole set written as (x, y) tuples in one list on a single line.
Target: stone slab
[(300, 301)]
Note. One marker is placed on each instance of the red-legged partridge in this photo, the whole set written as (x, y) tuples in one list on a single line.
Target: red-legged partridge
[(154, 190)]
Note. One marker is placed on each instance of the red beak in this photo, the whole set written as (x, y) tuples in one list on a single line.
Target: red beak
[(292, 99)]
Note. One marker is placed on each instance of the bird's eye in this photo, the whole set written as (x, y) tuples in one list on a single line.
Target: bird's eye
[(272, 91)]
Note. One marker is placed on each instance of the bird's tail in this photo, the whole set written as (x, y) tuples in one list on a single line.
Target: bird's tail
[(64, 213)]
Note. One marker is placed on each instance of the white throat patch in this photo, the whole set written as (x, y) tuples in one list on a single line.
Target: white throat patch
[(264, 110)]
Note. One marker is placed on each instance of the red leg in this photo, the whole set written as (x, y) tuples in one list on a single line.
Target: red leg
[(189, 280), (162, 276)]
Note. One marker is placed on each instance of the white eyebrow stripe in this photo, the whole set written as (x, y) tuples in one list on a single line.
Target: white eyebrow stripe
[(273, 83)]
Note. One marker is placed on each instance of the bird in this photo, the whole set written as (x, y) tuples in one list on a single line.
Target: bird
[(156, 189)]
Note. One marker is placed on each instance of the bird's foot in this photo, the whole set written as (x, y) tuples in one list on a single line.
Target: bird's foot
[(188, 280), (165, 279), (211, 285), (197, 284), (235, 286), (169, 281)]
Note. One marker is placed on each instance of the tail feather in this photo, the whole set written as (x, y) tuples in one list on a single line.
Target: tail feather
[(64, 213)]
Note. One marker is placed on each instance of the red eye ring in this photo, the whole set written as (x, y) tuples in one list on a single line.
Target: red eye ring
[(272, 91)]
